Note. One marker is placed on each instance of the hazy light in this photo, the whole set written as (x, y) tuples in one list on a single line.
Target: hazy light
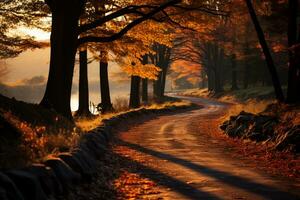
[(36, 33), (74, 102)]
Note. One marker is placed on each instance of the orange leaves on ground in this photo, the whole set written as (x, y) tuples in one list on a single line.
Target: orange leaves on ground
[(130, 184), (133, 186)]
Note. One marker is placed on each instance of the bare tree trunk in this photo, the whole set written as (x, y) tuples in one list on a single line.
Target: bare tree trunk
[(293, 94), (157, 87), (268, 56), (106, 104), (83, 109), (234, 85), (145, 90), (210, 76), (163, 81), (246, 52), (134, 101), (63, 49), (219, 56)]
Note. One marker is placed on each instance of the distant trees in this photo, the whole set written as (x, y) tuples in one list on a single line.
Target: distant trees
[(237, 47)]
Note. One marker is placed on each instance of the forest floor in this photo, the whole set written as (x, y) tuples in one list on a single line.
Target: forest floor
[(184, 155)]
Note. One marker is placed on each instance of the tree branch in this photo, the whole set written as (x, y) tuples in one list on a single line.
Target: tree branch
[(128, 27)]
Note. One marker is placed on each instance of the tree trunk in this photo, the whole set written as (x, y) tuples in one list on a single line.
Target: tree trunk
[(145, 90), (83, 109), (218, 85), (210, 77), (157, 87), (266, 51), (163, 81), (106, 105), (218, 61), (293, 94), (63, 49), (134, 101), (234, 85), (202, 83), (246, 52), (246, 75)]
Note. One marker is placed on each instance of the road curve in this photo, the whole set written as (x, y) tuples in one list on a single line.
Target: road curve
[(179, 153)]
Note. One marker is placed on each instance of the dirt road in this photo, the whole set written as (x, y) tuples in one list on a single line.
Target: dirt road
[(179, 153)]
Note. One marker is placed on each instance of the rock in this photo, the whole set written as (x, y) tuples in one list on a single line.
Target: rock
[(240, 131), (242, 119), (28, 184), (232, 118), (268, 128), (94, 147), (82, 146), (47, 178), (95, 136), (225, 125), (10, 188), (289, 141), (77, 165), (257, 136), (83, 155), (64, 173)]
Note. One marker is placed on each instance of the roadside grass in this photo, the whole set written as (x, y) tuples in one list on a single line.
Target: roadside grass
[(252, 99), (87, 124), (41, 132), (234, 96)]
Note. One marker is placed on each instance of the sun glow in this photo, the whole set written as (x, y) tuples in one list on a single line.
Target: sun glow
[(36, 33), (74, 103)]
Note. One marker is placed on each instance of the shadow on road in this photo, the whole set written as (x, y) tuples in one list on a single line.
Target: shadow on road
[(263, 190), (165, 180)]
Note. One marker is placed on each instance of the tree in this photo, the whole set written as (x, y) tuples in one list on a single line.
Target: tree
[(106, 105), (266, 51), (293, 94), (134, 99), (160, 58), (145, 83), (83, 108), (64, 42), (16, 14)]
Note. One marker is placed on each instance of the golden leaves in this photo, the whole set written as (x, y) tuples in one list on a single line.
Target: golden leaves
[(133, 66)]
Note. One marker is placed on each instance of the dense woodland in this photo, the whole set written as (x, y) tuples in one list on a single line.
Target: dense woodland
[(221, 45), (241, 43)]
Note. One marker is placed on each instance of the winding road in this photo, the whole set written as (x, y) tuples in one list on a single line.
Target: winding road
[(179, 152)]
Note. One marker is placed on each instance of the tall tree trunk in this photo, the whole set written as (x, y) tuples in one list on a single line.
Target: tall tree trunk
[(246, 75), (218, 85), (234, 85), (163, 81), (293, 94), (63, 49), (83, 109), (268, 56), (145, 90), (247, 53), (145, 82), (134, 101), (219, 57), (157, 87), (210, 81), (106, 105), (202, 83)]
